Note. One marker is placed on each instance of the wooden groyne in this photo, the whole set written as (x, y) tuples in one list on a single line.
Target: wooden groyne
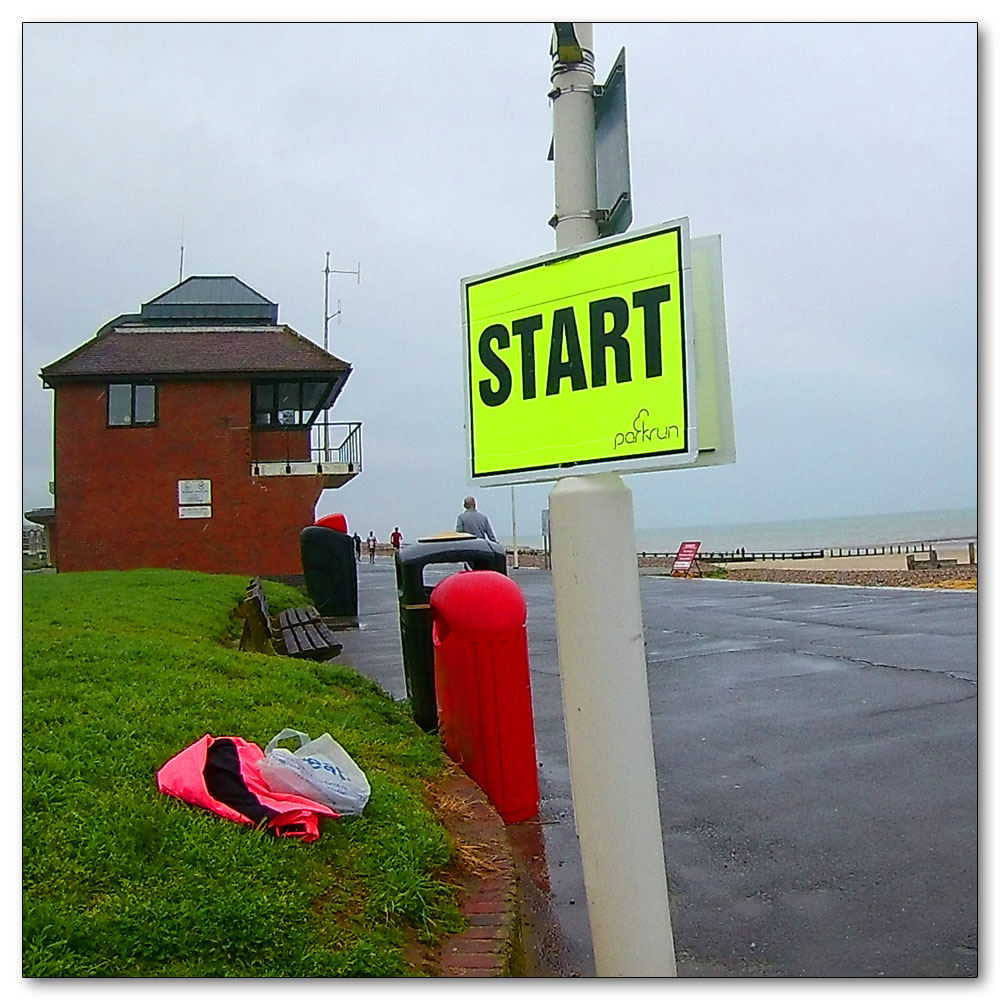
[(888, 549), (740, 555), (922, 553)]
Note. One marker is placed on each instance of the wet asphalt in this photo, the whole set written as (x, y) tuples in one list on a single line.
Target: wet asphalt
[(817, 765)]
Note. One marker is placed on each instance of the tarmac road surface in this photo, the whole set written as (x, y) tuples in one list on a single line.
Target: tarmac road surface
[(817, 758)]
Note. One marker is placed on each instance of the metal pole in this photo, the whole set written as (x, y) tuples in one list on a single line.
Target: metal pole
[(326, 347), (513, 525), (326, 304), (180, 271), (574, 154), (602, 660), (326, 336)]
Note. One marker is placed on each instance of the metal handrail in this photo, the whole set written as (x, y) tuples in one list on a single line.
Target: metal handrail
[(347, 452)]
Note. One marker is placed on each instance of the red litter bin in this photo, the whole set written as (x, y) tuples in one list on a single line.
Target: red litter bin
[(336, 521), (483, 688)]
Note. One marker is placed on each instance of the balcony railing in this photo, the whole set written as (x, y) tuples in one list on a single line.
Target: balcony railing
[(348, 452), (331, 450)]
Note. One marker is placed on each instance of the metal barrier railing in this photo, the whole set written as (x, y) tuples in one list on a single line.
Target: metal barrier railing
[(336, 442)]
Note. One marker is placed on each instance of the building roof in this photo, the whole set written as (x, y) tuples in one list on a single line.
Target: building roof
[(194, 351), (40, 515), (204, 326), (201, 298)]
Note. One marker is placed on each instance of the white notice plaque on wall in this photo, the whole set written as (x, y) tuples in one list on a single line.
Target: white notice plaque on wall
[(194, 491), (193, 510)]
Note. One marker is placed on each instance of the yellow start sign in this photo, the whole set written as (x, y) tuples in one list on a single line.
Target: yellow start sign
[(582, 361)]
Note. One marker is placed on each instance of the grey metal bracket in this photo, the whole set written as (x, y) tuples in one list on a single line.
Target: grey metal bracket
[(597, 214)]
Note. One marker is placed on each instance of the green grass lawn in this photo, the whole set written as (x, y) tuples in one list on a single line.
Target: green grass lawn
[(122, 670)]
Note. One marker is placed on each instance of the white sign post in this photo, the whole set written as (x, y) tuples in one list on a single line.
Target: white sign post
[(603, 358), (602, 657)]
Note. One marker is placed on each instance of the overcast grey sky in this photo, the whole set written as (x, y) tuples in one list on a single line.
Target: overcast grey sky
[(837, 160)]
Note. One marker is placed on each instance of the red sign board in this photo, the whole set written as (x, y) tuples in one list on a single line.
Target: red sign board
[(686, 556)]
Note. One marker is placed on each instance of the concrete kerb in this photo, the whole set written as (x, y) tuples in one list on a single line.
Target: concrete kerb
[(491, 946)]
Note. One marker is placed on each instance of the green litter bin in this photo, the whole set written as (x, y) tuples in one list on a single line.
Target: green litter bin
[(415, 609)]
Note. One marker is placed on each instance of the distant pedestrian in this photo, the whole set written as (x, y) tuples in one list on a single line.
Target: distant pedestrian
[(357, 546), (372, 542), (474, 522), (396, 538)]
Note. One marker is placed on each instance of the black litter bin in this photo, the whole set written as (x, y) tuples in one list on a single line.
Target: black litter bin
[(331, 572), (415, 609)]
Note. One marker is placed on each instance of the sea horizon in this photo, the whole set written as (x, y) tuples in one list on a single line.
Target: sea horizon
[(958, 525)]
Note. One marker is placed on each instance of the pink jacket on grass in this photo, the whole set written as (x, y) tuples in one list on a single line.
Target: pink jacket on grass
[(221, 774)]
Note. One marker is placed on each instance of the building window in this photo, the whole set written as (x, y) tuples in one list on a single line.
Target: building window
[(131, 404), (289, 404)]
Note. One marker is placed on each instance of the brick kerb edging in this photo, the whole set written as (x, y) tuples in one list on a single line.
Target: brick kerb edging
[(491, 944)]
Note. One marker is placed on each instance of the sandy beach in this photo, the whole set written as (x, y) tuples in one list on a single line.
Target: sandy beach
[(864, 571)]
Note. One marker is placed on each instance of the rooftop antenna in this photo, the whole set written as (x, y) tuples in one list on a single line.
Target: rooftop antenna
[(180, 274), (327, 315)]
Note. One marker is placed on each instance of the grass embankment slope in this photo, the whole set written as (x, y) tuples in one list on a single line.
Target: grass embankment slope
[(122, 671)]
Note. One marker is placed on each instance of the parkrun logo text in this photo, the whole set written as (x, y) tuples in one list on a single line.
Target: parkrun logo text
[(642, 432)]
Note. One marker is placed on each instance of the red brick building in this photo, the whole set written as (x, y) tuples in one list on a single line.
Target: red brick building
[(195, 434)]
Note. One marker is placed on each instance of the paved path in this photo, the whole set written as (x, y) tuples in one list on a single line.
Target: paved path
[(816, 750)]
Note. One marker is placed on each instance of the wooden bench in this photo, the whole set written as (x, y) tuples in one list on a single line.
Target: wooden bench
[(299, 632)]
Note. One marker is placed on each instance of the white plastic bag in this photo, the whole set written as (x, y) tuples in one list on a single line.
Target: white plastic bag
[(320, 769)]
